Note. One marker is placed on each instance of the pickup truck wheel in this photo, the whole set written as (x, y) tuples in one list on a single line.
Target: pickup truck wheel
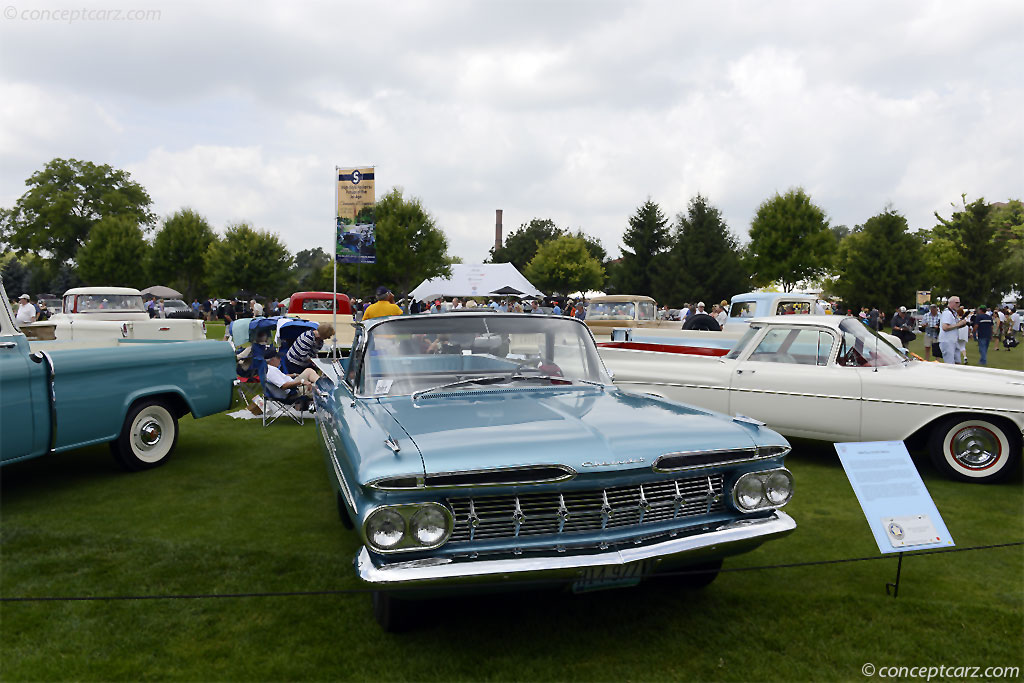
[(393, 614), (147, 438), (709, 572), (973, 449), (701, 321)]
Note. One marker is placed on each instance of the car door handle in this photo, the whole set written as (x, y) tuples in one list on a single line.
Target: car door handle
[(749, 372), (7, 345)]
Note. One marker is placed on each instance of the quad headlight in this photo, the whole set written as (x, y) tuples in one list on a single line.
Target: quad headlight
[(395, 528), (760, 490)]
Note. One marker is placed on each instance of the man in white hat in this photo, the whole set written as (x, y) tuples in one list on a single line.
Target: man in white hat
[(27, 312)]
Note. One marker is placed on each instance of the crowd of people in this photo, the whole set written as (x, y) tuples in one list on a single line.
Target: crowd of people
[(385, 304), (947, 331)]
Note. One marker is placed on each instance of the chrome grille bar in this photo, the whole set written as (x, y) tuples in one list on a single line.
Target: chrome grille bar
[(560, 513)]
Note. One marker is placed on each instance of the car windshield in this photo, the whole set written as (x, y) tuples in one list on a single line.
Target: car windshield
[(425, 353), (742, 342), (315, 305), (110, 302), (860, 346), (609, 310), (743, 309)]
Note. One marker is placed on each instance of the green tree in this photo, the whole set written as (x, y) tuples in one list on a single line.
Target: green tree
[(790, 240), (1008, 220), (645, 241), (410, 247), (247, 259), (880, 264), (115, 254), (179, 251), (978, 266), (64, 201), (308, 271), (520, 246), (705, 261), (565, 265)]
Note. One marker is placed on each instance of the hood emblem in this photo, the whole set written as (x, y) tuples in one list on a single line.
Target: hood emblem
[(612, 463)]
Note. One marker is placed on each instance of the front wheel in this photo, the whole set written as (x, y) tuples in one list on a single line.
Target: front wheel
[(973, 449), (703, 575), (147, 438), (393, 614)]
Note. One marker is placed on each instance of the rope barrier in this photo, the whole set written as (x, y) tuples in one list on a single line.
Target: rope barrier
[(356, 591)]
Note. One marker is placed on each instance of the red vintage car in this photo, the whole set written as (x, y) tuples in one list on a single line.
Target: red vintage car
[(316, 307)]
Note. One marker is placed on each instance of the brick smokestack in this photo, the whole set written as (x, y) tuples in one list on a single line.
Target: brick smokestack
[(497, 229)]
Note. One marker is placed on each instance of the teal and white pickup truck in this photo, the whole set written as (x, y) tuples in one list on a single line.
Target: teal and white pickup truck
[(130, 395)]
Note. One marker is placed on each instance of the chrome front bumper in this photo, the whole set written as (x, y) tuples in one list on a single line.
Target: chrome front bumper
[(729, 539)]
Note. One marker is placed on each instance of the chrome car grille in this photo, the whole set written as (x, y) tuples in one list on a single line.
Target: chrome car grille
[(481, 518)]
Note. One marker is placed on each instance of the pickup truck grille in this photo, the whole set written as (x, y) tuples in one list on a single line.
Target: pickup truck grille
[(533, 514)]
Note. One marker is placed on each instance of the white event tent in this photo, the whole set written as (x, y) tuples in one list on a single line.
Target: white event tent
[(486, 279)]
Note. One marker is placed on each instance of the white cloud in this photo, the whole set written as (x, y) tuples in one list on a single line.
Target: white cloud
[(577, 111)]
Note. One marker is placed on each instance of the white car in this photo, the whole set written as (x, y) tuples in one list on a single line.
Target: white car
[(830, 378), (102, 316)]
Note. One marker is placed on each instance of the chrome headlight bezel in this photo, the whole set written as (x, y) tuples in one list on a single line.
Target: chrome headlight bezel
[(407, 512), (779, 475)]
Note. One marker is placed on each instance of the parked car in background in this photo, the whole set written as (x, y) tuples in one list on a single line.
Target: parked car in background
[(830, 377), (131, 396), (478, 451), (604, 313), (176, 308), (317, 307), (104, 315)]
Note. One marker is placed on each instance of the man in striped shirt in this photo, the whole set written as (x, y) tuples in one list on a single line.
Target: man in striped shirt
[(300, 354), (930, 322)]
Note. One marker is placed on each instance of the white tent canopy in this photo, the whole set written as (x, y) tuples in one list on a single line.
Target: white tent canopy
[(476, 280)]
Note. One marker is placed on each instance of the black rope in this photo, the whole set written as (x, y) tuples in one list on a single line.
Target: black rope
[(356, 591)]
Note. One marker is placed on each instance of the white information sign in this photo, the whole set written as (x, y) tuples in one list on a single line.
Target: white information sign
[(898, 507)]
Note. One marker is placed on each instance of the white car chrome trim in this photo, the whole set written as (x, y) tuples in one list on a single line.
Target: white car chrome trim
[(957, 406)]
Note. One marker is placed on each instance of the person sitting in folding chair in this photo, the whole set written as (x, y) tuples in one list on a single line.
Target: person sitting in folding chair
[(286, 387)]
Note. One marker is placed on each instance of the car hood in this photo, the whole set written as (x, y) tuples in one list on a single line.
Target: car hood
[(962, 384), (586, 429)]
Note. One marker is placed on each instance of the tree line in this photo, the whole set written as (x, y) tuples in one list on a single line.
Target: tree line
[(978, 253), (83, 223)]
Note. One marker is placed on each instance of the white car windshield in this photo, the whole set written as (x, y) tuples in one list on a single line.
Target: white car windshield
[(109, 302), (607, 310), (419, 354), (860, 346)]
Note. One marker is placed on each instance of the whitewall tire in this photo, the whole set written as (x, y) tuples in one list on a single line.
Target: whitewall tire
[(148, 437), (974, 449)]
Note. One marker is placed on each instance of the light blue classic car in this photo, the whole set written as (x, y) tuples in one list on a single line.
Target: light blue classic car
[(485, 449), (130, 395)]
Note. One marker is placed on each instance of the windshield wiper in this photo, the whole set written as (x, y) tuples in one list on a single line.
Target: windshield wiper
[(553, 378), (458, 383)]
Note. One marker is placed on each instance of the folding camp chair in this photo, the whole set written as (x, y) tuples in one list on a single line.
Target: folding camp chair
[(287, 333), (274, 407)]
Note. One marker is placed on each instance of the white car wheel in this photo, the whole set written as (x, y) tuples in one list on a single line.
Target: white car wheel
[(148, 437), (973, 449)]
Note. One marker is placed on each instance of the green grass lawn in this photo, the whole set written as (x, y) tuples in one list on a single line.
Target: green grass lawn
[(243, 509), (1012, 359)]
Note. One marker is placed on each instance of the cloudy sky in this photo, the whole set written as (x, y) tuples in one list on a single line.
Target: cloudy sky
[(575, 111)]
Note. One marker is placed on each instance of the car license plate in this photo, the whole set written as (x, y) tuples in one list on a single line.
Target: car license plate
[(612, 576)]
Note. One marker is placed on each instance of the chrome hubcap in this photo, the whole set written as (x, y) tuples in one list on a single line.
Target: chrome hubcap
[(975, 448), (150, 433)]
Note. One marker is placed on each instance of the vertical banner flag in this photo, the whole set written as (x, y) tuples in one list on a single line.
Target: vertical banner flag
[(356, 232)]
